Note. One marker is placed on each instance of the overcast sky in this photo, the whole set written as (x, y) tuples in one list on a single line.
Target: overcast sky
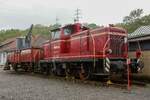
[(21, 13)]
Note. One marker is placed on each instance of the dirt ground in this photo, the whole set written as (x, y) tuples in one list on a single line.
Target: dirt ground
[(29, 87)]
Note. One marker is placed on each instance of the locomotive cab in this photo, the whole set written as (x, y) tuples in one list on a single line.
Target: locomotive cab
[(70, 29), (60, 37), (67, 32)]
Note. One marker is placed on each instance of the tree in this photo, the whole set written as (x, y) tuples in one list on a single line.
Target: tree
[(132, 26), (134, 14), (127, 19), (92, 26), (55, 26)]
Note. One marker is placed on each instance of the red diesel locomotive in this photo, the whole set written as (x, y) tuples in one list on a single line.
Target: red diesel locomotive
[(78, 51)]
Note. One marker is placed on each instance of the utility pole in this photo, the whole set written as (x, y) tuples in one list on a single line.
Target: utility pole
[(77, 15), (57, 24), (57, 20)]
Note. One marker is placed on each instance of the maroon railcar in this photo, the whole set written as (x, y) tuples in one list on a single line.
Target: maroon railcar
[(24, 58)]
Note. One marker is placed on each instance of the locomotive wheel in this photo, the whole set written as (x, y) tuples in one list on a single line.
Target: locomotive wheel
[(26, 69), (66, 73), (84, 74), (15, 67), (47, 70)]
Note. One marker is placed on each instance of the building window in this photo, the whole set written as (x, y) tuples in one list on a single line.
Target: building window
[(133, 46), (143, 45)]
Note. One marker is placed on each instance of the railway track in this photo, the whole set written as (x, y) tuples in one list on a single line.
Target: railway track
[(114, 82), (103, 82)]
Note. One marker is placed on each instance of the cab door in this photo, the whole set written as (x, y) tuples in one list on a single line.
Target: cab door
[(55, 43), (67, 31)]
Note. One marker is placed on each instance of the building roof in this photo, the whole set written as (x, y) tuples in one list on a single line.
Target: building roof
[(10, 44), (142, 31), (7, 41)]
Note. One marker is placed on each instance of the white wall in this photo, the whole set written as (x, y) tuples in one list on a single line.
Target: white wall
[(3, 58)]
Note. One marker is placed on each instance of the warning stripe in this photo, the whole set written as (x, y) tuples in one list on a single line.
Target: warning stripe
[(106, 69), (139, 69), (138, 60), (107, 66)]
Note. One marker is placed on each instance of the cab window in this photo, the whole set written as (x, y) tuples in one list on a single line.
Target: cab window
[(56, 34), (68, 30)]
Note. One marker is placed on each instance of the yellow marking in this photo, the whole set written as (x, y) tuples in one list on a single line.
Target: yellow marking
[(109, 82)]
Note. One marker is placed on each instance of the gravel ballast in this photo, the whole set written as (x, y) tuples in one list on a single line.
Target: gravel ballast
[(22, 86)]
